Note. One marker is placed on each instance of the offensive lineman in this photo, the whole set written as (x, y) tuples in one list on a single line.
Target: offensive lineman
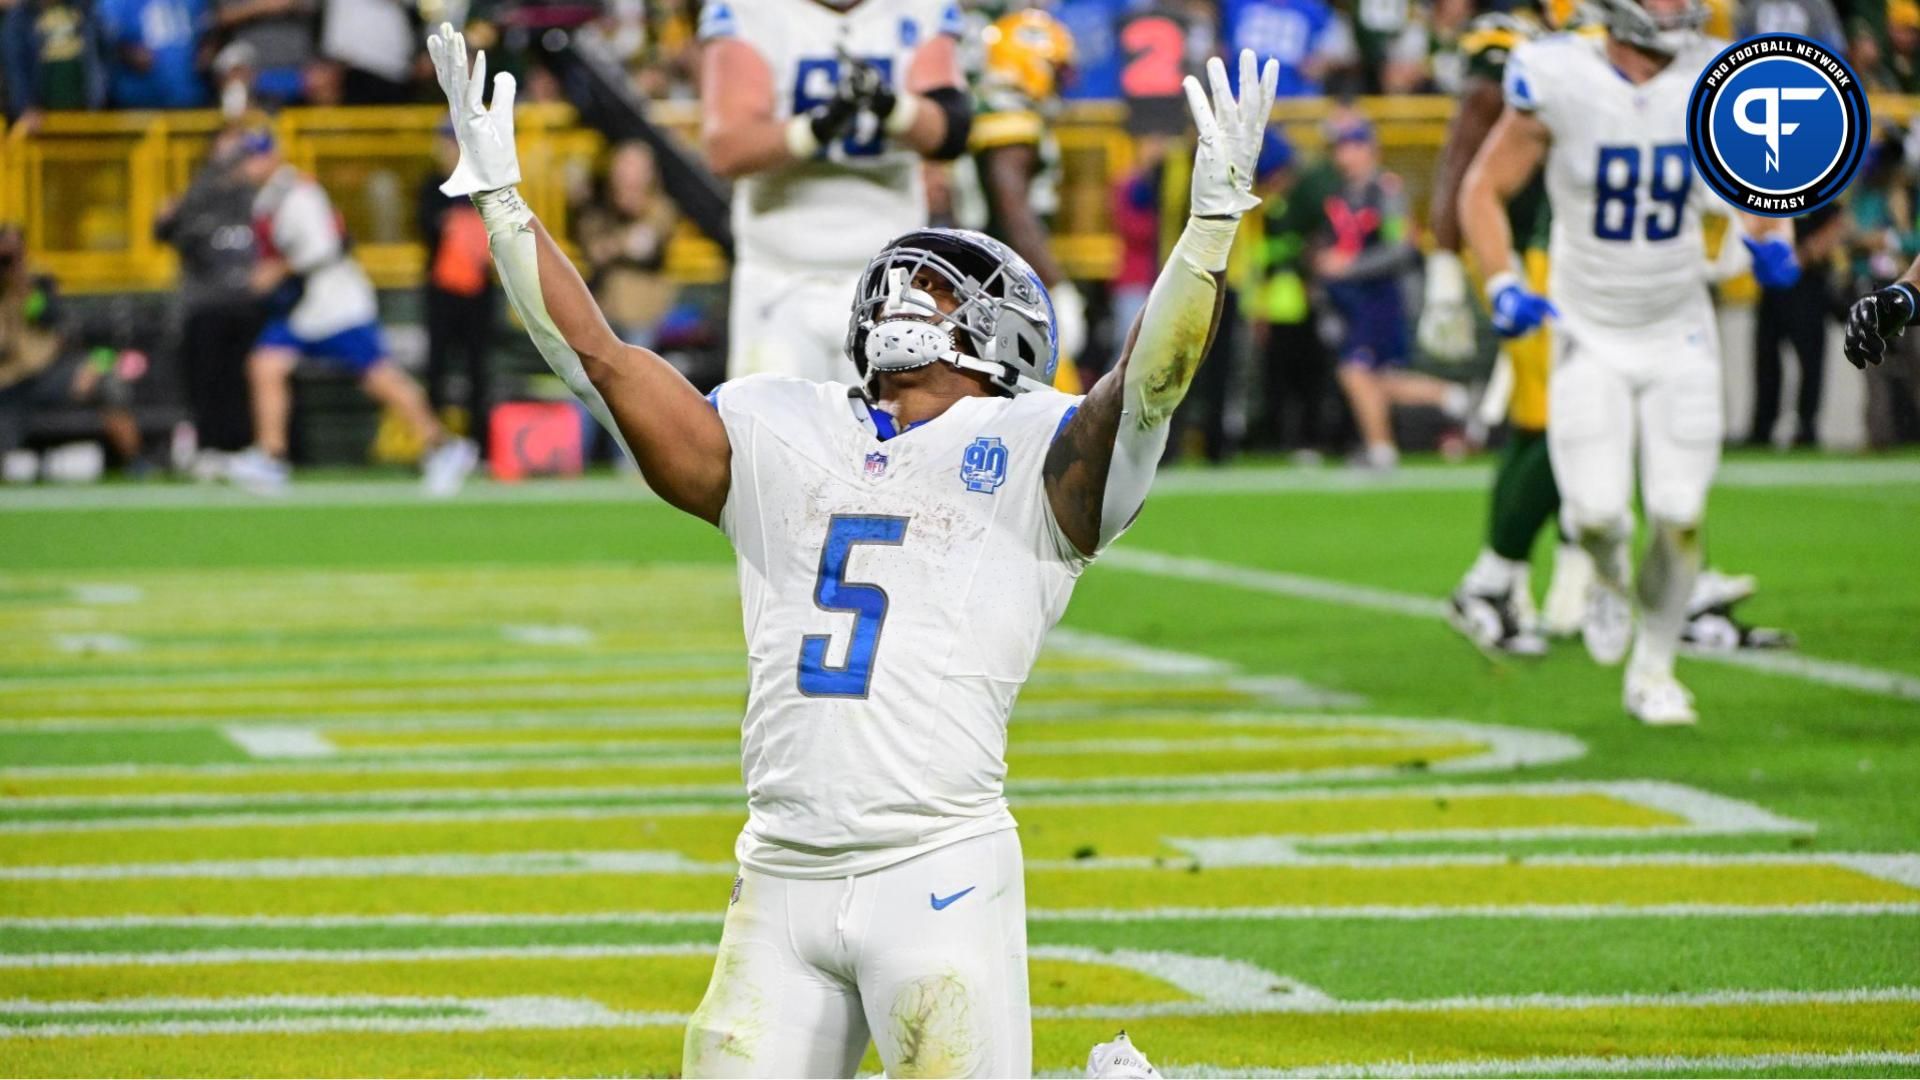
[(820, 112), (904, 543), (1636, 366)]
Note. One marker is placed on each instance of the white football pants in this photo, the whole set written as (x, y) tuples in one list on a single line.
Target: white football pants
[(928, 958)]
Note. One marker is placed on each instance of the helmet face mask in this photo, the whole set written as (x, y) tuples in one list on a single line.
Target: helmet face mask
[(1667, 33), (1001, 323)]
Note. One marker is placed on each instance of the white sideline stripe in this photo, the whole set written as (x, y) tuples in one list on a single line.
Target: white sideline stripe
[(1658, 1065), (1228, 853), (270, 743), (482, 1014), (1344, 594), (1702, 812), (1391, 912), (599, 489)]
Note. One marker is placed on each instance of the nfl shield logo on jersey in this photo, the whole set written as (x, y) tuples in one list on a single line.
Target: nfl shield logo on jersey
[(876, 465), (984, 465)]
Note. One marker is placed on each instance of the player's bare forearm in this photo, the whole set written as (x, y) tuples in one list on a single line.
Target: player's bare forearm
[(1163, 353), (1008, 173), (738, 132), (1503, 166), (675, 435), (1479, 110)]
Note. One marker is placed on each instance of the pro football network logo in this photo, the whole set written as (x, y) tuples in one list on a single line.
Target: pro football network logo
[(1778, 124)]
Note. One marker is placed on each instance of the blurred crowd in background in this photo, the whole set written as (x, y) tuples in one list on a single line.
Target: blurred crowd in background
[(1321, 306)]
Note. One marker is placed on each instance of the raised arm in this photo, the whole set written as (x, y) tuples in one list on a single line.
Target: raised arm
[(662, 422), (1100, 468)]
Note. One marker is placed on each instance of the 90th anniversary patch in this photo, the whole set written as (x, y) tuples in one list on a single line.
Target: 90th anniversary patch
[(1778, 124)]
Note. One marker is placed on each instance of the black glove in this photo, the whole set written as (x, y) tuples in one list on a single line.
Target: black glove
[(832, 119), (871, 88), (1874, 319)]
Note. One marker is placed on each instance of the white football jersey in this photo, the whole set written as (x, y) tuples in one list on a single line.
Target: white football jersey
[(1626, 245), (836, 210), (895, 594)]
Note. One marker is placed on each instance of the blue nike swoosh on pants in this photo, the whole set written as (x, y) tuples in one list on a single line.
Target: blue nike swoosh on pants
[(940, 903)]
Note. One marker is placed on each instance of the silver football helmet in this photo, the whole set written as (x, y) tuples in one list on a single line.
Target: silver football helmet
[(1666, 34), (1003, 327)]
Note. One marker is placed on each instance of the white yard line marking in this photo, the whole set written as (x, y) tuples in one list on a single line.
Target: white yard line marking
[(493, 1013), (1344, 594), (548, 635), (106, 593), (1702, 813), (1141, 657), (1655, 1065), (1390, 912), (270, 742), (90, 644)]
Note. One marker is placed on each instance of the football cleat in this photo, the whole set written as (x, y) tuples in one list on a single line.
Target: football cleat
[(1713, 589), (1119, 1060), (1608, 628), (1657, 699), (1566, 607), (1494, 623)]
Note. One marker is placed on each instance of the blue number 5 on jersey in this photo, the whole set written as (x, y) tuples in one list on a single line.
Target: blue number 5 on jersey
[(866, 602)]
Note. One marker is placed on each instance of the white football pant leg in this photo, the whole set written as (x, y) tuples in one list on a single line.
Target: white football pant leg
[(945, 988), (1590, 439), (1681, 424), (789, 321), (774, 1006)]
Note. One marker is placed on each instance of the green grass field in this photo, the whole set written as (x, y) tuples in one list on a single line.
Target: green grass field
[(355, 785)]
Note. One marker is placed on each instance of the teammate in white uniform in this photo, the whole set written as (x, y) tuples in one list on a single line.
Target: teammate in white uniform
[(904, 544), (820, 112), (1636, 363)]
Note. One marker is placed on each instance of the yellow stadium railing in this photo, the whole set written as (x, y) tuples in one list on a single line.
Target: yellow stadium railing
[(87, 186)]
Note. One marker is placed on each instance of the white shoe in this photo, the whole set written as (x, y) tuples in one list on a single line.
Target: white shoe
[(1608, 628), (447, 467), (1120, 1060), (1566, 607), (1657, 699), (1713, 589), (255, 470), (1494, 624)]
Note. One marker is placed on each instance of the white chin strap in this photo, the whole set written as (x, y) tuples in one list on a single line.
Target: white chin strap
[(902, 339)]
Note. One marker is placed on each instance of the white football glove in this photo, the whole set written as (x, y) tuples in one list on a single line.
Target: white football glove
[(1230, 133), (1070, 318), (1120, 1060), (488, 160), (1446, 318)]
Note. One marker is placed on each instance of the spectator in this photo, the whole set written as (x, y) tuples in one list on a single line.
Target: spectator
[(321, 308), (1286, 337), (212, 229), (50, 58), (1809, 18), (39, 367), (459, 295), (623, 231), (376, 45), (1311, 41), (152, 50), (1362, 263), (1798, 315), (1901, 58), (1392, 46), (279, 39)]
